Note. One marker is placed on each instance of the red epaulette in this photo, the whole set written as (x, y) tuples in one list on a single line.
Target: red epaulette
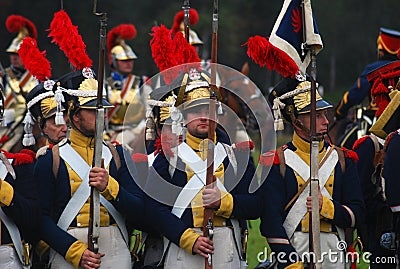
[(139, 158), (245, 145), (25, 156), (350, 154), (389, 138), (270, 157), (359, 142), (115, 143)]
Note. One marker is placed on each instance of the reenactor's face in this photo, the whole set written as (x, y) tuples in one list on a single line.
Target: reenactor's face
[(197, 121), (85, 121), (55, 132), (16, 61), (125, 66), (321, 121)]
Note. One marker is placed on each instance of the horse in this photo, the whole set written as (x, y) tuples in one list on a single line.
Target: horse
[(248, 106)]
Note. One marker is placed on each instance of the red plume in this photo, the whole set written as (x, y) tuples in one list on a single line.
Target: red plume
[(122, 31), (178, 19), (168, 52), (66, 36), (263, 53), (185, 53), (34, 60), (162, 50), (14, 23)]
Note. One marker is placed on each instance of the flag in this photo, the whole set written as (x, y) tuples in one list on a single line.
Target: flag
[(282, 51)]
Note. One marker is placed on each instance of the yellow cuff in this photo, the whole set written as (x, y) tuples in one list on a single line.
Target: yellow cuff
[(6, 193), (297, 265), (188, 239), (328, 209), (75, 252), (112, 190), (226, 207)]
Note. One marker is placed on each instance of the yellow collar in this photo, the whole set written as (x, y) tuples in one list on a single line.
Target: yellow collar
[(80, 140), (303, 145), (194, 142)]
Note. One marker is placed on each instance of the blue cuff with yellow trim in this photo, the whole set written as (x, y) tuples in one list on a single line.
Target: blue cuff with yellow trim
[(6, 193), (328, 208), (226, 207), (75, 252), (112, 189), (188, 239)]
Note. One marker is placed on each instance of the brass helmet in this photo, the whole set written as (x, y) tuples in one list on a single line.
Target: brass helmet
[(292, 97), (117, 48), (22, 26), (179, 26)]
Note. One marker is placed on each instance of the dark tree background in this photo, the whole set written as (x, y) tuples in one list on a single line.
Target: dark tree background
[(348, 28)]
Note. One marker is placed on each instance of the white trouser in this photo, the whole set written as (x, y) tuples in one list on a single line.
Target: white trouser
[(333, 257), (225, 253), (111, 243), (9, 258)]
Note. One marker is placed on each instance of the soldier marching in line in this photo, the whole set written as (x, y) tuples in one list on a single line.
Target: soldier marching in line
[(19, 207), (17, 82), (124, 88), (285, 219), (179, 216), (65, 176)]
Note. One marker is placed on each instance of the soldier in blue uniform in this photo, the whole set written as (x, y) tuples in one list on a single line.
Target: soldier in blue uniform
[(370, 149), (388, 46), (285, 218), (176, 173), (19, 207), (58, 186)]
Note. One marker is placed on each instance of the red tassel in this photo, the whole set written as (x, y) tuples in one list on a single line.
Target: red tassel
[(382, 100), (121, 32), (263, 53), (66, 36), (14, 23), (350, 154), (34, 60)]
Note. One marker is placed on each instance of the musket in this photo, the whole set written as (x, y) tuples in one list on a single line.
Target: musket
[(186, 18), (94, 219), (314, 221), (208, 225)]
